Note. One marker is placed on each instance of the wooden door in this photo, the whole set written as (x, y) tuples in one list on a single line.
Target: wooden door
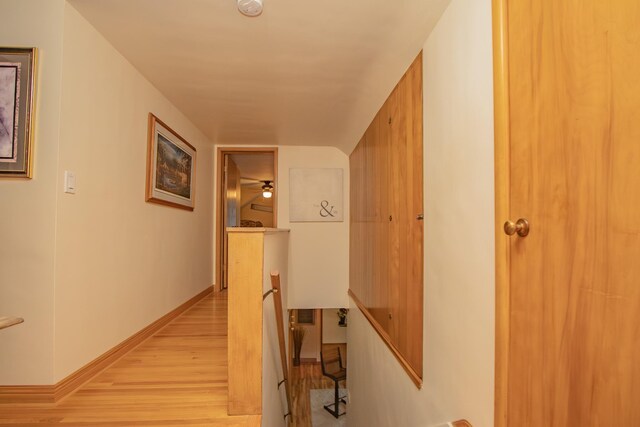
[(569, 304), (231, 208)]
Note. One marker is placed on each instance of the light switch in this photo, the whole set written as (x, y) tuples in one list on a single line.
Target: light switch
[(69, 182)]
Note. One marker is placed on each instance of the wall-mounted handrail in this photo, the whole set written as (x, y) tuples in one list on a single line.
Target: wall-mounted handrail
[(266, 294), (277, 301), (5, 322)]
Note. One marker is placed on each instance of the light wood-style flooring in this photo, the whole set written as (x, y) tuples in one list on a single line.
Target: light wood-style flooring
[(305, 377), (177, 377)]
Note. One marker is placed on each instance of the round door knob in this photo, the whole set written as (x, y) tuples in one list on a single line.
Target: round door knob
[(521, 227)]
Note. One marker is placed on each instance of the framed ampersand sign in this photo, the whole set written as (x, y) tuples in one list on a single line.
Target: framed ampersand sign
[(316, 195)]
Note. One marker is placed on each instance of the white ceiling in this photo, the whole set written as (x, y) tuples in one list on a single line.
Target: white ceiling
[(303, 73)]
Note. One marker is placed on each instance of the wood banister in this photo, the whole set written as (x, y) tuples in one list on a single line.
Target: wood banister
[(277, 301), (461, 423), (6, 322)]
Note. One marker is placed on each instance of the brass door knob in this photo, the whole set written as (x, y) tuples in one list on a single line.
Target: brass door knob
[(521, 227)]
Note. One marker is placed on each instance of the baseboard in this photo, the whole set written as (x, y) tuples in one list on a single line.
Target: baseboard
[(55, 393), (27, 394)]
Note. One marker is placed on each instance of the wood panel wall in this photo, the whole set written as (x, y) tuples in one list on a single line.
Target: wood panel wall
[(386, 245)]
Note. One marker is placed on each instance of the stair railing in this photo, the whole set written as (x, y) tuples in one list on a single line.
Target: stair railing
[(279, 313)]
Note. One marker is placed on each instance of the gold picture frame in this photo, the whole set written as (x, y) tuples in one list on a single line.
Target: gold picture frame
[(171, 167), (17, 110), (306, 316)]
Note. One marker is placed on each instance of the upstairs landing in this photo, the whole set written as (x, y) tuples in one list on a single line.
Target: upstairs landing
[(176, 377)]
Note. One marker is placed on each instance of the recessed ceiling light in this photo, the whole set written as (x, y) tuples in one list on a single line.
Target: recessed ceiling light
[(250, 7)]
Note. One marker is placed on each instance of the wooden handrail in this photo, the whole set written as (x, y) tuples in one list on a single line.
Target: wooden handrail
[(277, 301), (461, 423), (5, 322)]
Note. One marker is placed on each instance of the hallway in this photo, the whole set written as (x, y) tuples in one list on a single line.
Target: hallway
[(176, 377)]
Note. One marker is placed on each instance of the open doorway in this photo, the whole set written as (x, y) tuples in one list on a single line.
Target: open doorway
[(247, 196), (314, 379)]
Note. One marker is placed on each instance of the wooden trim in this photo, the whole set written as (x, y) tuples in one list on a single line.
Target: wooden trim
[(219, 173), (277, 302), (57, 392), (321, 315), (387, 340), (461, 423), (6, 322), (12, 394), (502, 188), (313, 316), (30, 112)]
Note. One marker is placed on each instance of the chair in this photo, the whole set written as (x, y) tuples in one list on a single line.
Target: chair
[(332, 367)]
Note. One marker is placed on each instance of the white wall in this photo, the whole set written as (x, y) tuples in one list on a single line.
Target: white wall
[(459, 245), (28, 206), (121, 263), (93, 268), (331, 332), (319, 252)]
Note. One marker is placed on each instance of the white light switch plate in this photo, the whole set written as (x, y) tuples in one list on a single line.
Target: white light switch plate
[(69, 182)]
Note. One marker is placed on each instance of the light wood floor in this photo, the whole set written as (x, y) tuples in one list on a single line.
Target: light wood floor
[(176, 377), (305, 377)]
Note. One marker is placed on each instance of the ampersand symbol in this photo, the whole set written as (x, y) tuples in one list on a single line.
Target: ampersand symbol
[(324, 212)]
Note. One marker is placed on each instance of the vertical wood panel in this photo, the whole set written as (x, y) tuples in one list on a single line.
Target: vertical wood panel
[(412, 305), (386, 257), (245, 323), (356, 230), (377, 137), (501, 126), (398, 209)]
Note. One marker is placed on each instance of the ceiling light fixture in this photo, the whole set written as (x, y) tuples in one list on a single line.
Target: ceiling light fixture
[(267, 190), (250, 8)]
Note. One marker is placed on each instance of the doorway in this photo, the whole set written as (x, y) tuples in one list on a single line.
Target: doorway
[(246, 187), (323, 331)]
